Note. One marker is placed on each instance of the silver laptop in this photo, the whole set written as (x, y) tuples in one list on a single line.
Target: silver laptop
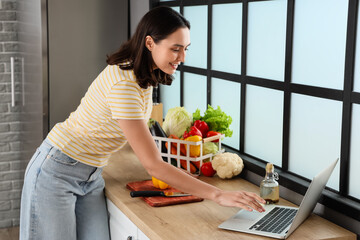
[(280, 221)]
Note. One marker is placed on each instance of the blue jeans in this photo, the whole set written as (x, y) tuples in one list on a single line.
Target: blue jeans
[(62, 199)]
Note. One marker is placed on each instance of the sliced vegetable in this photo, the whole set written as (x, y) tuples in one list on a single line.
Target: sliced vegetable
[(207, 169), (202, 126), (159, 184), (192, 131)]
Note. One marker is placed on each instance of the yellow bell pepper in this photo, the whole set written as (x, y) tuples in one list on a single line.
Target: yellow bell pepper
[(194, 149), (159, 184)]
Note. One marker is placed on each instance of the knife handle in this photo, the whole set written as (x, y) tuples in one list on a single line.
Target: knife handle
[(146, 193)]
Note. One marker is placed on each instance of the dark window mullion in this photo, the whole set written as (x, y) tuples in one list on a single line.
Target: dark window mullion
[(355, 97), (287, 81), (209, 52), (243, 74), (181, 67), (348, 86)]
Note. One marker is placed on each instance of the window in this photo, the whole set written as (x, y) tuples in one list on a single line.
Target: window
[(288, 72)]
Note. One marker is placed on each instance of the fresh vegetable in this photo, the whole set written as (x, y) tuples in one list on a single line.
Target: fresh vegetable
[(210, 147), (194, 149), (175, 145), (192, 131), (159, 184), (227, 165), (193, 167), (213, 133), (202, 126), (216, 119), (177, 120), (156, 130), (207, 169)]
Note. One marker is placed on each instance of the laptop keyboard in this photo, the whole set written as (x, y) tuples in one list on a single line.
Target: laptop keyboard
[(276, 220)]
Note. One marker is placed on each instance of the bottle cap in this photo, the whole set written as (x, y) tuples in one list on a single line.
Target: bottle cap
[(269, 167)]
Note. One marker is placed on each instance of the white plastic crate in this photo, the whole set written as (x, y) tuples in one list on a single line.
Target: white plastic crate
[(187, 159)]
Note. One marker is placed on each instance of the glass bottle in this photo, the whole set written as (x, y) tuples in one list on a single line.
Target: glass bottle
[(269, 187)]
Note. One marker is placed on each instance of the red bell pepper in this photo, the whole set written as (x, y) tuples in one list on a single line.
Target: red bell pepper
[(202, 126), (213, 133), (192, 132)]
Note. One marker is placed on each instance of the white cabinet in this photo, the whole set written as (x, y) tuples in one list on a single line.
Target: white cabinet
[(121, 228)]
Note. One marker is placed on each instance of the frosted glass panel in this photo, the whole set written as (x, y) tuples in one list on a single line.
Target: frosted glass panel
[(266, 39), (319, 43), (170, 95), (315, 134), (226, 37), (357, 58), (354, 186), (263, 123), (229, 104), (197, 54), (176, 9), (194, 92)]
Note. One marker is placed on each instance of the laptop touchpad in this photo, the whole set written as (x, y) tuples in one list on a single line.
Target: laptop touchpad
[(246, 215)]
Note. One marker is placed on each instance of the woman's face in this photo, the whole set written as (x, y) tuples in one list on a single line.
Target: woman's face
[(168, 53)]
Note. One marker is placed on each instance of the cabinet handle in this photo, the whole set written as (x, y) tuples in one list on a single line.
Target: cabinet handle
[(12, 82), (130, 238)]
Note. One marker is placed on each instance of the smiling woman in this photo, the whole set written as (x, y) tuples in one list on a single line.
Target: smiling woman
[(63, 194), (170, 52)]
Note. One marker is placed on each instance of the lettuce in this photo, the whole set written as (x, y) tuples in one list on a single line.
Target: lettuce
[(216, 119), (210, 147), (177, 120)]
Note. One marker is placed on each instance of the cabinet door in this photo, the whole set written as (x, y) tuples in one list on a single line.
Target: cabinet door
[(141, 236), (121, 228)]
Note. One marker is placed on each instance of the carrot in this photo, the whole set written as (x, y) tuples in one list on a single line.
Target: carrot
[(183, 163), (182, 146)]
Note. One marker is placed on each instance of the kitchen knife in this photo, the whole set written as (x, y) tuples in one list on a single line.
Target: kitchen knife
[(157, 193)]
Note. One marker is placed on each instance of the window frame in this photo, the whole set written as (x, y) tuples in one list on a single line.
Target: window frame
[(339, 201)]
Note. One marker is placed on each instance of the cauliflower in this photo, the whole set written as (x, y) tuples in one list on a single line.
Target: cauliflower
[(227, 165)]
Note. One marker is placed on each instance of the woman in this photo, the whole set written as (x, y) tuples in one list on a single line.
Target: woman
[(63, 190)]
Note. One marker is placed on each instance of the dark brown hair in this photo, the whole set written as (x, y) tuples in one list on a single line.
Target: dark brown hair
[(158, 23)]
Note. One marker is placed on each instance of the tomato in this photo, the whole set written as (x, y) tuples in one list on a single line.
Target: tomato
[(213, 133), (207, 169)]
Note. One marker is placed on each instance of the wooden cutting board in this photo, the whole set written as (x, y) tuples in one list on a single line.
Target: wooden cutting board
[(147, 185)]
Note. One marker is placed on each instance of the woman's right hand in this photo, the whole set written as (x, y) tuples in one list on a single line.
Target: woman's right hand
[(245, 200)]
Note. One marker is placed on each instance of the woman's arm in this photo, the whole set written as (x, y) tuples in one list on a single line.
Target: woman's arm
[(141, 141)]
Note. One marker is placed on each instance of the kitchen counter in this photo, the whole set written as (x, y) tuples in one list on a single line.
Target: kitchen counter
[(193, 220)]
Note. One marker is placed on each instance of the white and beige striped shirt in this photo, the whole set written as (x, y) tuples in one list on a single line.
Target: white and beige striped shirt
[(91, 133)]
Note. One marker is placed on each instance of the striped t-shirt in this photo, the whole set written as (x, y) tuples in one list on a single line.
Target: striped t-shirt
[(91, 133)]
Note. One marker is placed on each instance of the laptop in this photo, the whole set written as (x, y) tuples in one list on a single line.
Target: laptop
[(280, 221)]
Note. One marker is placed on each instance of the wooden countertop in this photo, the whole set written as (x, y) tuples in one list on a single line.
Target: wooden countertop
[(198, 220)]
